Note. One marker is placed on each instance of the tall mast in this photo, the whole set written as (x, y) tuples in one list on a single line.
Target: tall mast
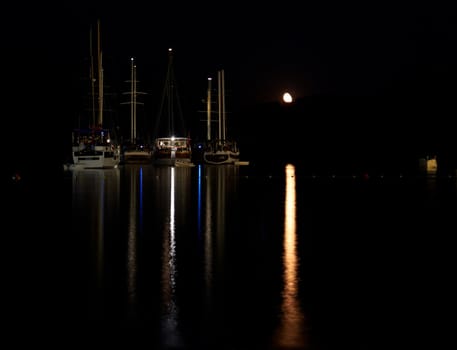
[(169, 93), (133, 92), (219, 102), (132, 103), (92, 76), (170, 88), (208, 111), (223, 103), (100, 77)]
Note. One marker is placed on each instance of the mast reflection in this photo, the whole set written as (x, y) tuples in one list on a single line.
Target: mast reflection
[(216, 186), (134, 227), (291, 332), (95, 201), (205, 232)]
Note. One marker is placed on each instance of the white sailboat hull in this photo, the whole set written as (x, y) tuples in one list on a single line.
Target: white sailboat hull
[(100, 157)]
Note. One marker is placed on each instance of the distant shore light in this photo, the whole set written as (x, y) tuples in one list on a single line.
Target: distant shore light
[(287, 97)]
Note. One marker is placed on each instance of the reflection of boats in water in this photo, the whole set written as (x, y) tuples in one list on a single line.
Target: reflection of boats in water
[(217, 200), (95, 194), (135, 180), (95, 197), (172, 186), (170, 143), (96, 214)]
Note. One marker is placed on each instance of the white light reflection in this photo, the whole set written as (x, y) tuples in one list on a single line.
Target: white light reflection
[(291, 332), (172, 254), (170, 316)]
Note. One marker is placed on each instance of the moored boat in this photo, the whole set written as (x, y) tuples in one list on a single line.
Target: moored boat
[(135, 151), (170, 144), (93, 147), (220, 149)]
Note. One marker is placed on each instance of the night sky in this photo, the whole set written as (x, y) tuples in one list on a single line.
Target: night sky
[(363, 73)]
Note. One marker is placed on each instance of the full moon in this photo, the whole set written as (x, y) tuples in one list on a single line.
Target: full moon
[(287, 97)]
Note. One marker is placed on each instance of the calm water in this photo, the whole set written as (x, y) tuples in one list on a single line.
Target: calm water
[(226, 257)]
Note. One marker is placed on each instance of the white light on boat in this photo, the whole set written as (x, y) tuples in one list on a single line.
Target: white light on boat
[(287, 97)]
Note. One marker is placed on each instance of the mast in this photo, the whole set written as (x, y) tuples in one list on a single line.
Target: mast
[(133, 92), (133, 102), (223, 103), (219, 103), (100, 77), (208, 111), (132, 112), (170, 87), (92, 76), (170, 93)]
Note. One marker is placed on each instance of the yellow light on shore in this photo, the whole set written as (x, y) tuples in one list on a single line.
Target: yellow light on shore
[(287, 97)]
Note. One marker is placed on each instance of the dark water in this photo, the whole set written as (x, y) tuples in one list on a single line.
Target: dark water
[(226, 257)]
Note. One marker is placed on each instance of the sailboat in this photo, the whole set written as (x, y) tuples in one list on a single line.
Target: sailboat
[(93, 147), (135, 151), (220, 150), (171, 145)]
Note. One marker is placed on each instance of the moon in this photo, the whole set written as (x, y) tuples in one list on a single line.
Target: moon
[(287, 97)]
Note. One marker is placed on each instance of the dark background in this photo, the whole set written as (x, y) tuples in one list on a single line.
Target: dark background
[(374, 82)]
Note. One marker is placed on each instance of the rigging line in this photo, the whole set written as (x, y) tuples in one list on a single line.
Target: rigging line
[(170, 94)]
